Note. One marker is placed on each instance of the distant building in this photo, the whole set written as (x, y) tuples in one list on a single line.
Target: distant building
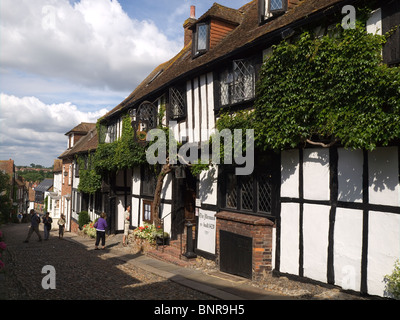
[(44, 186)]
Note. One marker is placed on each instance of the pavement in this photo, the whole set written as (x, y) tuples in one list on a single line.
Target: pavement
[(220, 285), (210, 285)]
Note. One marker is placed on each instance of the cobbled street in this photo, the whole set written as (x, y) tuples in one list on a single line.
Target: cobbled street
[(82, 273)]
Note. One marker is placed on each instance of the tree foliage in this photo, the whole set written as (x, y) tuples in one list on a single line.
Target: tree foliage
[(5, 202), (334, 88)]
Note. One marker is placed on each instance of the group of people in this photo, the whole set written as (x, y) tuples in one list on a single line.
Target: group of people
[(47, 222), (100, 226)]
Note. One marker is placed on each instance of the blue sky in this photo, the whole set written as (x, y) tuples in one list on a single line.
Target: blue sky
[(67, 61)]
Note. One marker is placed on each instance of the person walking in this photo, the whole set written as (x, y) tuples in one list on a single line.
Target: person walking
[(101, 226), (47, 221), (61, 225), (35, 221), (127, 216)]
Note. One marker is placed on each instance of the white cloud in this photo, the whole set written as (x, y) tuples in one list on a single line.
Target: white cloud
[(30, 128), (92, 42)]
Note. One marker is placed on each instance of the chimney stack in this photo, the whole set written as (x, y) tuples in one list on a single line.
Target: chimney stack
[(193, 12), (188, 24)]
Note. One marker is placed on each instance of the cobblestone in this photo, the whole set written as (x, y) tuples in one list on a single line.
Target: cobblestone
[(81, 274)]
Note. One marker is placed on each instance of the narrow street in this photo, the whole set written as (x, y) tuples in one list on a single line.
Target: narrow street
[(81, 273)]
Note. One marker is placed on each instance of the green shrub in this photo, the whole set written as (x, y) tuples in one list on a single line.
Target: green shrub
[(83, 219), (393, 281)]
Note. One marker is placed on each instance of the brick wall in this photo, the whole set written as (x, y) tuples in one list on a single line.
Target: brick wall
[(255, 227)]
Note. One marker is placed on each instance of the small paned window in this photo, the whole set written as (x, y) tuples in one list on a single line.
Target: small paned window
[(237, 83), (149, 182), (252, 193), (201, 39), (269, 8), (277, 5), (177, 98), (147, 217)]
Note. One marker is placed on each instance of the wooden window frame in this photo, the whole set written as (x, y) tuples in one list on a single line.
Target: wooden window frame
[(174, 99), (146, 203), (196, 51)]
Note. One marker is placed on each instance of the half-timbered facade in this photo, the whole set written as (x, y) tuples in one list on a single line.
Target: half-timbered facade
[(327, 214)]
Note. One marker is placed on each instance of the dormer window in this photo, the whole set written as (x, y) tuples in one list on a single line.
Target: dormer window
[(271, 8), (201, 39), (277, 6)]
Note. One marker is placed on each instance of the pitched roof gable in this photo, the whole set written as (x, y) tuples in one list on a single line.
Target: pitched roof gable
[(86, 144), (246, 34)]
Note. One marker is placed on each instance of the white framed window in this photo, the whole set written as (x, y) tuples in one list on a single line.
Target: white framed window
[(70, 174)]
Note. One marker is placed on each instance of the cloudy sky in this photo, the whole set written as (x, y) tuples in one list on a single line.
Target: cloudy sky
[(63, 62)]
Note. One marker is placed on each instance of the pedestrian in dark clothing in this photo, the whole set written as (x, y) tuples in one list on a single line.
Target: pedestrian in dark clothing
[(101, 226), (35, 221), (47, 221)]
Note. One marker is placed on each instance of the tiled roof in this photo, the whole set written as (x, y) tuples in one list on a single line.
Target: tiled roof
[(7, 166), (45, 185), (246, 34), (82, 128), (220, 12), (85, 144)]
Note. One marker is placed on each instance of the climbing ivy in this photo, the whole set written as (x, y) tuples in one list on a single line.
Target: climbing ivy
[(330, 89), (108, 157), (89, 179), (120, 154)]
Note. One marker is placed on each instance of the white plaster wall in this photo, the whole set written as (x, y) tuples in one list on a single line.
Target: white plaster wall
[(350, 175), (383, 249), (120, 213), (136, 181), (374, 23), (196, 110), (208, 186), (315, 235), (210, 101), (289, 254), (290, 173), (189, 103), (316, 174), (207, 231), (383, 174), (348, 248), (165, 210), (135, 208), (200, 104)]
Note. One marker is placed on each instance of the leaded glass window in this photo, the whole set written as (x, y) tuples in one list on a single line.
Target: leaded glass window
[(277, 6), (231, 191), (201, 39), (149, 181), (251, 194), (237, 83), (177, 98), (243, 72), (147, 113)]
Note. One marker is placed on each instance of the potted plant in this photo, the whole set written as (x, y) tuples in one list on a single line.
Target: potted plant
[(161, 237)]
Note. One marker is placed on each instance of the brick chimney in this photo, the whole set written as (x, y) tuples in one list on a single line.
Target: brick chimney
[(188, 23)]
